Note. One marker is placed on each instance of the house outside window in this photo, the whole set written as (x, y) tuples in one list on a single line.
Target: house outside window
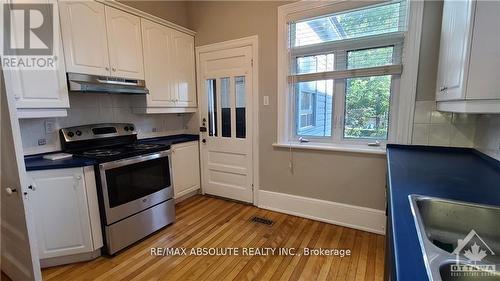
[(343, 73)]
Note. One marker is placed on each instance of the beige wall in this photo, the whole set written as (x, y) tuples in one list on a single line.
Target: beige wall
[(174, 11)]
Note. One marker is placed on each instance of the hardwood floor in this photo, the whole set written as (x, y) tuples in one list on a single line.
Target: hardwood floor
[(210, 222)]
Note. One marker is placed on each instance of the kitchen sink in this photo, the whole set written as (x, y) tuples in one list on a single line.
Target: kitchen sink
[(459, 240)]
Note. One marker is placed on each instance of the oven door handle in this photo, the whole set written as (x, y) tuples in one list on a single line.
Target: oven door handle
[(133, 160)]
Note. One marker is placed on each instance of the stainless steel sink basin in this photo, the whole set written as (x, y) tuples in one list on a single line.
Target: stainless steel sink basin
[(447, 231)]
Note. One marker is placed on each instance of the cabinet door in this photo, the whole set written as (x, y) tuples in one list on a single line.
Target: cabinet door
[(184, 69), (157, 41), (83, 27), (125, 44), (39, 88), (61, 213), (456, 31), (185, 168), (484, 70)]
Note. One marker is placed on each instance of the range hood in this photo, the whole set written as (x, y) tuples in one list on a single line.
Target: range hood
[(103, 84)]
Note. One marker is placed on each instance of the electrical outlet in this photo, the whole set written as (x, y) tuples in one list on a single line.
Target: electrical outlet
[(49, 126), (42, 141)]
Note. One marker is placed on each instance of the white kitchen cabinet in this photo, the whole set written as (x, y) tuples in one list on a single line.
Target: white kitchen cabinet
[(83, 27), (469, 70), (100, 40), (184, 65), (185, 168), (65, 211), (38, 93), (158, 60), (169, 70), (125, 44)]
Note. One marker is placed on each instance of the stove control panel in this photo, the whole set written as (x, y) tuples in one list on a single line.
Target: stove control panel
[(96, 131)]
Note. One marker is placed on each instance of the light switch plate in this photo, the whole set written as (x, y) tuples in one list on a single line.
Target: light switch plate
[(266, 100)]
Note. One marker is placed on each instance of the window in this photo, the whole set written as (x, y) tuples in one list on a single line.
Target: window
[(344, 73)]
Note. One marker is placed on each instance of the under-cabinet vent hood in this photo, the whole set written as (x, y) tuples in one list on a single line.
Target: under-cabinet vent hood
[(103, 84)]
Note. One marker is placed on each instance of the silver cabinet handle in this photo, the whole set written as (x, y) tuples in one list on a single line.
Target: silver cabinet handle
[(10, 190), (107, 68), (114, 69), (444, 88)]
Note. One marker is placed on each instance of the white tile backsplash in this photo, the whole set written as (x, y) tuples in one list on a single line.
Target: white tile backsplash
[(423, 111), (432, 127), (420, 134), (440, 134), (487, 137), (462, 135), (89, 108), (438, 117)]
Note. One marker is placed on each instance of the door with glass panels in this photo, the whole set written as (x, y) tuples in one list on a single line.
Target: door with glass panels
[(225, 96)]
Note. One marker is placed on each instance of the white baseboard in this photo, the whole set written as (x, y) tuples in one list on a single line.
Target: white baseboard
[(362, 218)]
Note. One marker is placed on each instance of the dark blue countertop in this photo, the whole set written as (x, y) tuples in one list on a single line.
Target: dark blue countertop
[(454, 173), (37, 162)]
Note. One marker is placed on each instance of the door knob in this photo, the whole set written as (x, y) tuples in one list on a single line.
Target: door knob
[(10, 190), (204, 141)]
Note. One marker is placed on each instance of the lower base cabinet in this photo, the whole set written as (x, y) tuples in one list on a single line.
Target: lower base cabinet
[(65, 212), (185, 168)]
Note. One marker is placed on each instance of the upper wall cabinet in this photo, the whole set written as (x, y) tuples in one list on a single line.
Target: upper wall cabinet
[(169, 65), (101, 40), (157, 61), (184, 74), (83, 27), (38, 93), (125, 44), (469, 55)]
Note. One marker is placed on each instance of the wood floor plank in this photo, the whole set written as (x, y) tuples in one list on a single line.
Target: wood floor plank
[(334, 243), (212, 222), (208, 266), (313, 264), (247, 237), (271, 265)]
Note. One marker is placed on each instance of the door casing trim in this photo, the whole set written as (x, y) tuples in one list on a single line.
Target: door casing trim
[(252, 41)]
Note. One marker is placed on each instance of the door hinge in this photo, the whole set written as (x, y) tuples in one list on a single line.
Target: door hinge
[(251, 62)]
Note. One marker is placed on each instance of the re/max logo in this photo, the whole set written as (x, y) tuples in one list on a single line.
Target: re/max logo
[(28, 29)]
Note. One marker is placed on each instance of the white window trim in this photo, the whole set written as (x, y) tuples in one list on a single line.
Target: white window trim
[(404, 102)]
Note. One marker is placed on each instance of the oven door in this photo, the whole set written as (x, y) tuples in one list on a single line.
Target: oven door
[(135, 184)]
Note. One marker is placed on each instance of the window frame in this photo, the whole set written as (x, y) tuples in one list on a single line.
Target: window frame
[(307, 112), (403, 87)]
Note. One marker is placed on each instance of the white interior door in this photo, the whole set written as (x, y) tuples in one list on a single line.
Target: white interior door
[(226, 107), (18, 244)]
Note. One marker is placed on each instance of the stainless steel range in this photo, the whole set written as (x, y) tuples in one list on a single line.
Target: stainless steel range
[(134, 180)]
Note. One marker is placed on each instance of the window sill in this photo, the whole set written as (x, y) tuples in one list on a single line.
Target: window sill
[(335, 147)]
